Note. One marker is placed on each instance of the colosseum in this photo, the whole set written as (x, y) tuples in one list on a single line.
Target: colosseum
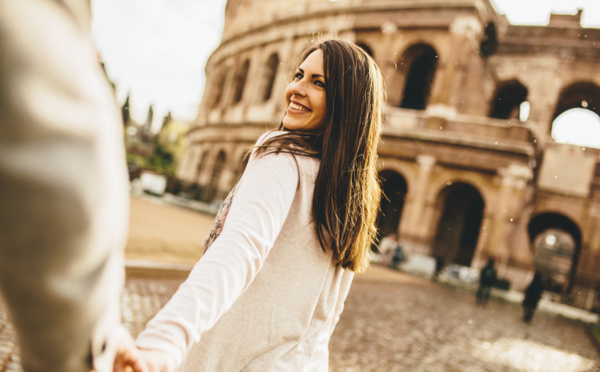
[(469, 166)]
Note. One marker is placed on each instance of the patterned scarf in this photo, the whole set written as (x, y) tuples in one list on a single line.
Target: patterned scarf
[(219, 221)]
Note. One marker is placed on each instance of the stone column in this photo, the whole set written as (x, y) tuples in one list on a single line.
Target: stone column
[(463, 45), (544, 93), (411, 226), (509, 202)]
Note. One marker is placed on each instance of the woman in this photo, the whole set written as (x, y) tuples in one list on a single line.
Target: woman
[(269, 290)]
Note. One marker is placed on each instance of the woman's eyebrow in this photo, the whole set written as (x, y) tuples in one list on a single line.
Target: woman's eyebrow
[(313, 75)]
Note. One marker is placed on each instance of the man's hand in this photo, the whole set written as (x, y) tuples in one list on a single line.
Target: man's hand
[(158, 361), (128, 357)]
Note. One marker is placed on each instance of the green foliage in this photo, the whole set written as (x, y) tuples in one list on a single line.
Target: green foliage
[(159, 161)]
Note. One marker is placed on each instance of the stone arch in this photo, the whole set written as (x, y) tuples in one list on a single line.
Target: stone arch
[(460, 207), (508, 97), (576, 118), (479, 184), (555, 241), (218, 87), (240, 81), (578, 95), (239, 163), (364, 46), (215, 177), (268, 77), (394, 190), (198, 159), (202, 160), (419, 64), (489, 41)]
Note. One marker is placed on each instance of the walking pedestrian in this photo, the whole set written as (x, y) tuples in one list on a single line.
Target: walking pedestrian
[(533, 293), (270, 287), (487, 278)]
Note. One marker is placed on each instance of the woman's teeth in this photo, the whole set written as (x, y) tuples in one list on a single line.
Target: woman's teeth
[(298, 107)]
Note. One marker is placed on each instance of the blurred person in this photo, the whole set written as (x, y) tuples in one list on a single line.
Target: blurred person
[(387, 247), (270, 288), (64, 192), (487, 279), (398, 256), (533, 293), (440, 261)]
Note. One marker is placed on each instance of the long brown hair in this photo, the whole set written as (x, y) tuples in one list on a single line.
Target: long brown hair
[(347, 192)]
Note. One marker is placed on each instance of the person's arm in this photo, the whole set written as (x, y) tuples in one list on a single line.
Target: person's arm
[(64, 193), (257, 214)]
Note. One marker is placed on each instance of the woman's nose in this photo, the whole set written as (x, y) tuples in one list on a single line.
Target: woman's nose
[(298, 88)]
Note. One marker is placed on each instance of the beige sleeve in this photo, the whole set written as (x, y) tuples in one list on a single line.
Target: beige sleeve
[(64, 194)]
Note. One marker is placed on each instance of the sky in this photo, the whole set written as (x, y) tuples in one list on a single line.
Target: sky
[(156, 50)]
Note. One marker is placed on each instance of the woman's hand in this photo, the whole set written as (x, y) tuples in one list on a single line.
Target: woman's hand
[(158, 361), (128, 357)]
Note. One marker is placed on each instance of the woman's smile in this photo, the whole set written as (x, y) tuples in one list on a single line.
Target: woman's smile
[(305, 95), (297, 107)]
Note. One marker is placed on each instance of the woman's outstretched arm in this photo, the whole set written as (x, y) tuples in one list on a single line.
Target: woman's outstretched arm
[(255, 219)]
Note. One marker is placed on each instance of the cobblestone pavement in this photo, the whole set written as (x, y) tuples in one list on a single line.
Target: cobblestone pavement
[(396, 322)]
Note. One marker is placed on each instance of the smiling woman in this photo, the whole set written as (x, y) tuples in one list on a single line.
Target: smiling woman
[(301, 220), (305, 95)]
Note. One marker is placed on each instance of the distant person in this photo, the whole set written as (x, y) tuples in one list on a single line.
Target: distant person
[(487, 279), (387, 249), (270, 288), (398, 256), (64, 196), (533, 293), (439, 265)]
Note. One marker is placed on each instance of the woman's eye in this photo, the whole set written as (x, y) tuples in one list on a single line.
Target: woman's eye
[(298, 75), (319, 83)]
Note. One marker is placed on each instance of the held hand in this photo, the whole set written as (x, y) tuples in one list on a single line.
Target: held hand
[(128, 357), (158, 361)]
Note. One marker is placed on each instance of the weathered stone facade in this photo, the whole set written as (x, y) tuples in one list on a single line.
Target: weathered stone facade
[(467, 176)]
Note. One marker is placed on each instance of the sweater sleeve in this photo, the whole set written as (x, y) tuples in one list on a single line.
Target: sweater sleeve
[(257, 214)]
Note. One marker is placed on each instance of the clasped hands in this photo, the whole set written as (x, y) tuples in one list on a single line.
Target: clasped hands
[(129, 358)]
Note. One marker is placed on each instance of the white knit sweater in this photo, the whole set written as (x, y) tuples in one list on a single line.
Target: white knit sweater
[(264, 297)]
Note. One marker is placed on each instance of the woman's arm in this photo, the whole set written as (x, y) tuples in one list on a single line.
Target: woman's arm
[(257, 214)]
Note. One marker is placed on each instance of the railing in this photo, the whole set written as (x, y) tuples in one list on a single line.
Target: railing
[(452, 127)]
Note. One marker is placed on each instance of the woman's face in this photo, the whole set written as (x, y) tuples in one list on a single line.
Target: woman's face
[(305, 95)]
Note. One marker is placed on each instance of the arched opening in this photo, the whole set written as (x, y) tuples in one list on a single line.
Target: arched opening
[(579, 95), (241, 168), (195, 190), (459, 224), (556, 242), (421, 60), (218, 86), (577, 126), (200, 167), (489, 41), (366, 48), (215, 177), (240, 81), (576, 118), (507, 100), (394, 191), (268, 78)]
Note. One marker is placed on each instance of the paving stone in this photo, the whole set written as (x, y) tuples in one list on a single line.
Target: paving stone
[(395, 322)]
